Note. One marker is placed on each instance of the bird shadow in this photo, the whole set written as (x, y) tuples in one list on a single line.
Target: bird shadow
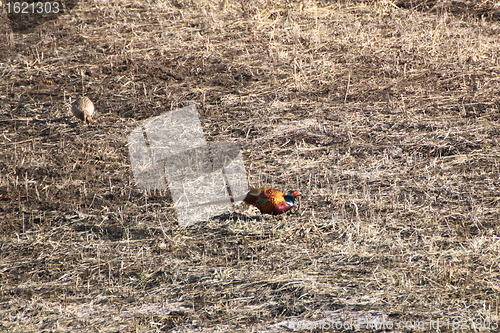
[(225, 224), (236, 217)]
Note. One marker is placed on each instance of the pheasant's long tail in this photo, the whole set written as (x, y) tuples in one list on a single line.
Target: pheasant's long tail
[(221, 202)]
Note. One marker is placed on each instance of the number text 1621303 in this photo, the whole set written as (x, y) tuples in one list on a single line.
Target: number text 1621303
[(53, 7)]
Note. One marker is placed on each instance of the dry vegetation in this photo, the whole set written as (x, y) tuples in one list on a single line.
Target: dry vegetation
[(385, 115)]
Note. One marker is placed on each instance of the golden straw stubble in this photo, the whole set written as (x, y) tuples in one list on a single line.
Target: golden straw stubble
[(83, 109)]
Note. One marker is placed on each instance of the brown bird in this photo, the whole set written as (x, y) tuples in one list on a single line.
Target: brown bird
[(83, 109), (271, 201)]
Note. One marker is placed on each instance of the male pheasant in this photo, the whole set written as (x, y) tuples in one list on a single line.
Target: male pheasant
[(271, 201)]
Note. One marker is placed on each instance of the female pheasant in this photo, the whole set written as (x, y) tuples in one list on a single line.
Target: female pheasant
[(271, 201), (83, 109)]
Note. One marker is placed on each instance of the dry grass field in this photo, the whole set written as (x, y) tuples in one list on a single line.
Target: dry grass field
[(385, 115)]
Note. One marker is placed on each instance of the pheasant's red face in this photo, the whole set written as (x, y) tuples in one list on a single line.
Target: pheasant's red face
[(295, 193)]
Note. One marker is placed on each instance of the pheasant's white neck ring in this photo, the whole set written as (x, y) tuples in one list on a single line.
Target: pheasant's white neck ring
[(290, 197)]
